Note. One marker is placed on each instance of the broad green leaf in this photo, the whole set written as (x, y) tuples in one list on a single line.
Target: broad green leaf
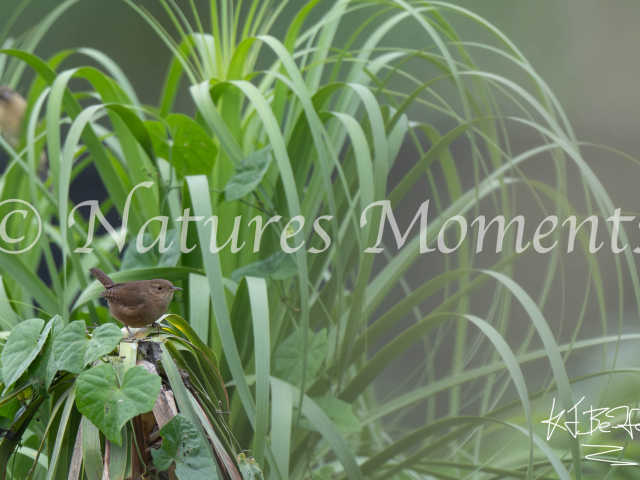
[(159, 138), (190, 149), (133, 259), (70, 346), (340, 413), (104, 340), (41, 372), (245, 468), (8, 413), (253, 465), (288, 356), (72, 349), (279, 266), (193, 152), (109, 406), (22, 347), (183, 444), (249, 173)]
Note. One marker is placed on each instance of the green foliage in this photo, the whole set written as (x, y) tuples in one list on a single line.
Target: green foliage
[(183, 445), (8, 413), (340, 413), (322, 120), (108, 404), (248, 175), (110, 395), (72, 350), (41, 373), (22, 347), (279, 266), (249, 468), (288, 358), (190, 149)]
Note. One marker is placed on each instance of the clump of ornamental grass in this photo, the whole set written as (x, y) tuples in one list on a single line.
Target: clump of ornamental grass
[(307, 121)]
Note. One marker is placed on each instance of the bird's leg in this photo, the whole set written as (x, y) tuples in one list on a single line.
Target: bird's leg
[(130, 334), (157, 326)]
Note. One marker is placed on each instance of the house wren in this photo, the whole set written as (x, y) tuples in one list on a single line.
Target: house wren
[(136, 304)]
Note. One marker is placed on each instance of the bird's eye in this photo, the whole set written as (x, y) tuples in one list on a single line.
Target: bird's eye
[(159, 288)]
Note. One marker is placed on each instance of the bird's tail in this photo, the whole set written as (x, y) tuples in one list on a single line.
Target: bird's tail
[(102, 277)]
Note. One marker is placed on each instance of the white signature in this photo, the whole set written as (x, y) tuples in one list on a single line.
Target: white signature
[(605, 420)]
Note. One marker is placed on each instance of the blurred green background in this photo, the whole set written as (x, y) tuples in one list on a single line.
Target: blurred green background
[(586, 50)]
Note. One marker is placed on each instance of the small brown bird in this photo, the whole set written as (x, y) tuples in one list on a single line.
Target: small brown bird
[(136, 304), (12, 109)]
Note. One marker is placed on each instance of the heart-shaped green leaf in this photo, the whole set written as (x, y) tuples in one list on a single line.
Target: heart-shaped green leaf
[(194, 152), (288, 357), (181, 443), (22, 347), (109, 406), (103, 341), (191, 150), (69, 347), (42, 371), (159, 138), (72, 349), (249, 174)]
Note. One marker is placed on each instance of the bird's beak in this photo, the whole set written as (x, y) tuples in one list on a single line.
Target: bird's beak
[(176, 288)]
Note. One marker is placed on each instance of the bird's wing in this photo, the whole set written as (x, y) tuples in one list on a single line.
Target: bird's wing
[(116, 295)]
